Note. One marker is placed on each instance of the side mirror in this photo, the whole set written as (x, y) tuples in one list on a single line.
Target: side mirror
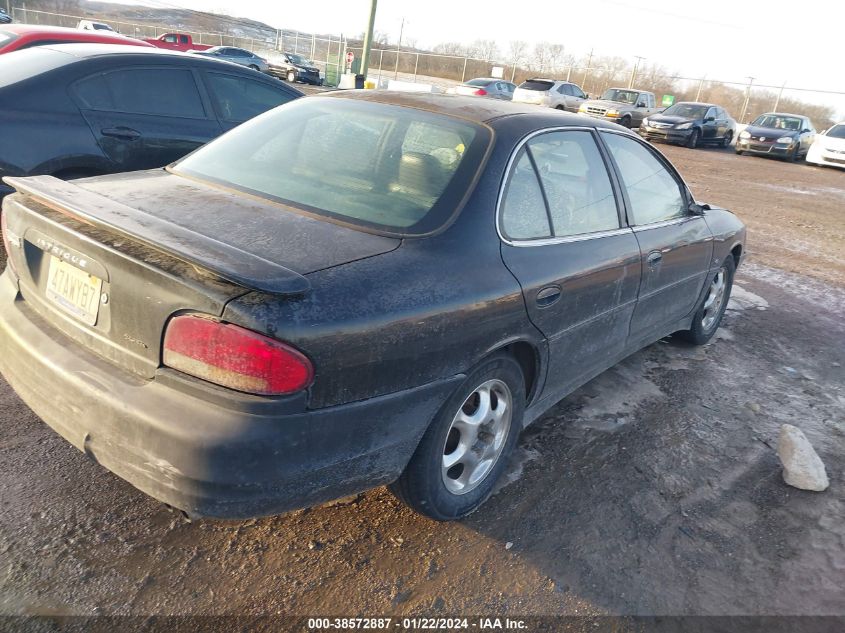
[(805, 131), (641, 104), (709, 119), (698, 209)]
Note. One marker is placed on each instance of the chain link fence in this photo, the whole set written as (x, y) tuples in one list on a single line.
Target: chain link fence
[(745, 100)]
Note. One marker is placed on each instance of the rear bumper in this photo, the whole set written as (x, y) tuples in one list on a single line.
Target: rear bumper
[(199, 453)]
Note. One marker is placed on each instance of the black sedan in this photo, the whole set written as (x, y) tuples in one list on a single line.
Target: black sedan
[(352, 290), (786, 136), (690, 124), (74, 110), (293, 67)]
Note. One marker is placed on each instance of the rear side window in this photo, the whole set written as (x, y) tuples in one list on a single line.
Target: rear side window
[(576, 183), (524, 213), (536, 84), (654, 193), (156, 91), (239, 99), (183, 39), (837, 131)]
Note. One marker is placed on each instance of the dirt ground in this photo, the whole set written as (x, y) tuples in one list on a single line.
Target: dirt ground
[(655, 489)]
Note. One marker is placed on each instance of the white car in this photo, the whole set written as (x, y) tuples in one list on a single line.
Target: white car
[(88, 25), (829, 147), (563, 95)]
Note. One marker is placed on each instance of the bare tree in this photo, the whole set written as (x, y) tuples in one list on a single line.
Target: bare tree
[(484, 49), (517, 51), (451, 48)]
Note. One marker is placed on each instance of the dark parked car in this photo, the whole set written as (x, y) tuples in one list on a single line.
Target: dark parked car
[(786, 136), (75, 110), (240, 334), (690, 124), (5, 18), (293, 67), (486, 87)]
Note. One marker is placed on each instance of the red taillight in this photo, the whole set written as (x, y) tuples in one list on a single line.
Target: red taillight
[(7, 240), (480, 92), (234, 357)]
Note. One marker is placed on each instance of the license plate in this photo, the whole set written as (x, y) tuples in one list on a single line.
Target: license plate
[(74, 290)]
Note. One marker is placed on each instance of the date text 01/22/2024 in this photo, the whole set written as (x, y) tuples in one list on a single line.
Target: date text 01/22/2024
[(386, 624)]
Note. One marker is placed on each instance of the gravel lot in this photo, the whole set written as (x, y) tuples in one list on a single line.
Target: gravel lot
[(655, 489)]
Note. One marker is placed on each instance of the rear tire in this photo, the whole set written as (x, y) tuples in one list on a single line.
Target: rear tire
[(711, 309), (467, 446)]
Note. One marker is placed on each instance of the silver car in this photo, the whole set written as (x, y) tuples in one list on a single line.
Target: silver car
[(486, 87), (236, 55), (563, 95)]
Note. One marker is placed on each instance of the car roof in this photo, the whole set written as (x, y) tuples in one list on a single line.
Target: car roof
[(33, 33), (459, 106), (697, 103)]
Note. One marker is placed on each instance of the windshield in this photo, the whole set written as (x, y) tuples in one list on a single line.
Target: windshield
[(393, 169), (779, 122), (299, 59), (687, 110), (837, 131), (621, 96)]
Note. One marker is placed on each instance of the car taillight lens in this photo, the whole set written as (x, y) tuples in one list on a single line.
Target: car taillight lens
[(7, 240), (234, 357), (480, 92)]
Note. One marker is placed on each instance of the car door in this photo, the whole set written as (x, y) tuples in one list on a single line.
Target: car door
[(710, 126), (237, 98), (564, 241), (145, 117), (675, 245)]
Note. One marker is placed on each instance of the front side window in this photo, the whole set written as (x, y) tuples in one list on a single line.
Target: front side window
[(391, 169), (238, 99), (653, 192), (170, 39), (157, 91)]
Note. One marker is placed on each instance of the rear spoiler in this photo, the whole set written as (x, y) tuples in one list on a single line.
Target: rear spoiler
[(228, 262)]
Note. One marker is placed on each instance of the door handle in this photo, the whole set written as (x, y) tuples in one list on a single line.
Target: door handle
[(124, 133), (548, 296), (654, 258)]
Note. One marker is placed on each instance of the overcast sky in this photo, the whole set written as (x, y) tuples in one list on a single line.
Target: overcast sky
[(771, 40)]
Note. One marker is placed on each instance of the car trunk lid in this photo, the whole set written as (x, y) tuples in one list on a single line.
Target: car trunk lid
[(108, 261)]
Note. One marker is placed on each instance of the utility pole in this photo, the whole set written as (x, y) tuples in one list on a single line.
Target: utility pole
[(747, 98), (700, 84), (587, 70), (398, 48), (634, 70), (780, 94), (368, 40)]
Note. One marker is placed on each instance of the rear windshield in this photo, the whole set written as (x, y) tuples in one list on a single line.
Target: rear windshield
[(480, 82), (837, 131), (392, 169), (16, 66), (536, 84)]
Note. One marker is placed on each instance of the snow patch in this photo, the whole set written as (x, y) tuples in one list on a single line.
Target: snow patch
[(742, 299)]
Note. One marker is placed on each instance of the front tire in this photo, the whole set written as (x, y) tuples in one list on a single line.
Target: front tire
[(467, 446), (626, 122), (710, 311), (793, 157), (692, 142), (726, 142), (291, 77)]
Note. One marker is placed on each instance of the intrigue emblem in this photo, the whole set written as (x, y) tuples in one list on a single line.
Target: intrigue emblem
[(58, 251)]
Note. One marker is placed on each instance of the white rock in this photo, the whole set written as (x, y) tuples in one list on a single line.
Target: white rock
[(802, 467)]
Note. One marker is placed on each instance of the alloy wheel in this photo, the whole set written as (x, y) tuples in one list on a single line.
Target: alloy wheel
[(477, 436), (715, 298)]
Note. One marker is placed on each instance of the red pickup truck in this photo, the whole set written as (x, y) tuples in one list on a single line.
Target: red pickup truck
[(176, 42)]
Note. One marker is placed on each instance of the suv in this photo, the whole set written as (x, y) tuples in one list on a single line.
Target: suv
[(562, 95), (626, 106)]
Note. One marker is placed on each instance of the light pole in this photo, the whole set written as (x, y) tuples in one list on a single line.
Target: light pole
[(398, 48), (780, 94), (368, 40)]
